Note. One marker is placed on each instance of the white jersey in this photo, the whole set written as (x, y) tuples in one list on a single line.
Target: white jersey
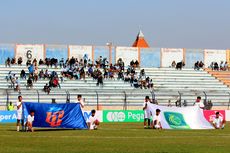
[(81, 103), (30, 119), (91, 121), (19, 111), (217, 121), (199, 104), (158, 120), (147, 110)]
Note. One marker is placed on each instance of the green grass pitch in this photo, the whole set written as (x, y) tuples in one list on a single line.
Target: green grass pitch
[(114, 138)]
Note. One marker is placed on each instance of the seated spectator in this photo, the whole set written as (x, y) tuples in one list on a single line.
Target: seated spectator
[(13, 81), (41, 74), (23, 74), (20, 61), (55, 82), (135, 83), (106, 73), (47, 88), (13, 61), (82, 73), (61, 63), (173, 65), (31, 69), (46, 74), (201, 65), (35, 62), (18, 86), (30, 82), (226, 66), (100, 80), (212, 66), (196, 66), (142, 74), (9, 76), (216, 66), (36, 74), (127, 77), (150, 84), (221, 66), (41, 62), (180, 65), (28, 62), (7, 63), (136, 63)]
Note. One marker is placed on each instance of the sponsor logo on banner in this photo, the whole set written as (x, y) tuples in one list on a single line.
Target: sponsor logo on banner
[(8, 116), (176, 120), (211, 114), (54, 118), (87, 114), (123, 116)]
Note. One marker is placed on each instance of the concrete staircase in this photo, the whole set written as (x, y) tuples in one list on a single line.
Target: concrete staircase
[(223, 76)]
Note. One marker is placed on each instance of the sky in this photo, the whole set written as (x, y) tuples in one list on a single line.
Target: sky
[(165, 23)]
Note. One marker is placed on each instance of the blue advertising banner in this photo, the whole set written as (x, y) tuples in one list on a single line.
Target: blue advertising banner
[(8, 116), (56, 115)]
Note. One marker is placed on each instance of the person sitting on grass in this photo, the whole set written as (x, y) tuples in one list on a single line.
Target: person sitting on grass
[(218, 122), (156, 123), (29, 122), (93, 122)]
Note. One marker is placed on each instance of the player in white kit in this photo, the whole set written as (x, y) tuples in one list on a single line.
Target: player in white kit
[(19, 114), (146, 112)]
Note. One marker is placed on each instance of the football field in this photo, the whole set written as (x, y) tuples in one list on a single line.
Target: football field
[(114, 138)]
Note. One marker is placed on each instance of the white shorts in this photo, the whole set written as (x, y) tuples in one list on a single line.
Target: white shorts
[(19, 115), (147, 114)]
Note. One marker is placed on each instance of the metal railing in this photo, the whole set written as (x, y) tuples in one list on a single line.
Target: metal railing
[(124, 99)]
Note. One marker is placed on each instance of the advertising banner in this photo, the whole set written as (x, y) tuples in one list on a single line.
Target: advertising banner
[(211, 114), (181, 118), (98, 115), (56, 115), (123, 116), (8, 116)]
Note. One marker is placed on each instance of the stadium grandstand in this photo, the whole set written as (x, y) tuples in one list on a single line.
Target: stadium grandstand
[(114, 78)]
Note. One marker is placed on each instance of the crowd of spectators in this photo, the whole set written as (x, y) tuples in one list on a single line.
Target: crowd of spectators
[(219, 67), (75, 69)]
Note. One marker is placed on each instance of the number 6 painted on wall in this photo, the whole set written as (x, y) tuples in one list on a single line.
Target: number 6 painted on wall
[(29, 54)]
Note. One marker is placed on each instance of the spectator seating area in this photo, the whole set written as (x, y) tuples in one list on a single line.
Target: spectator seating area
[(169, 84)]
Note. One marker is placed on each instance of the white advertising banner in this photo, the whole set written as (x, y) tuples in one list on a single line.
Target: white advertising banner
[(214, 56), (80, 52), (30, 52), (168, 55), (127, 54), (181, 118)]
